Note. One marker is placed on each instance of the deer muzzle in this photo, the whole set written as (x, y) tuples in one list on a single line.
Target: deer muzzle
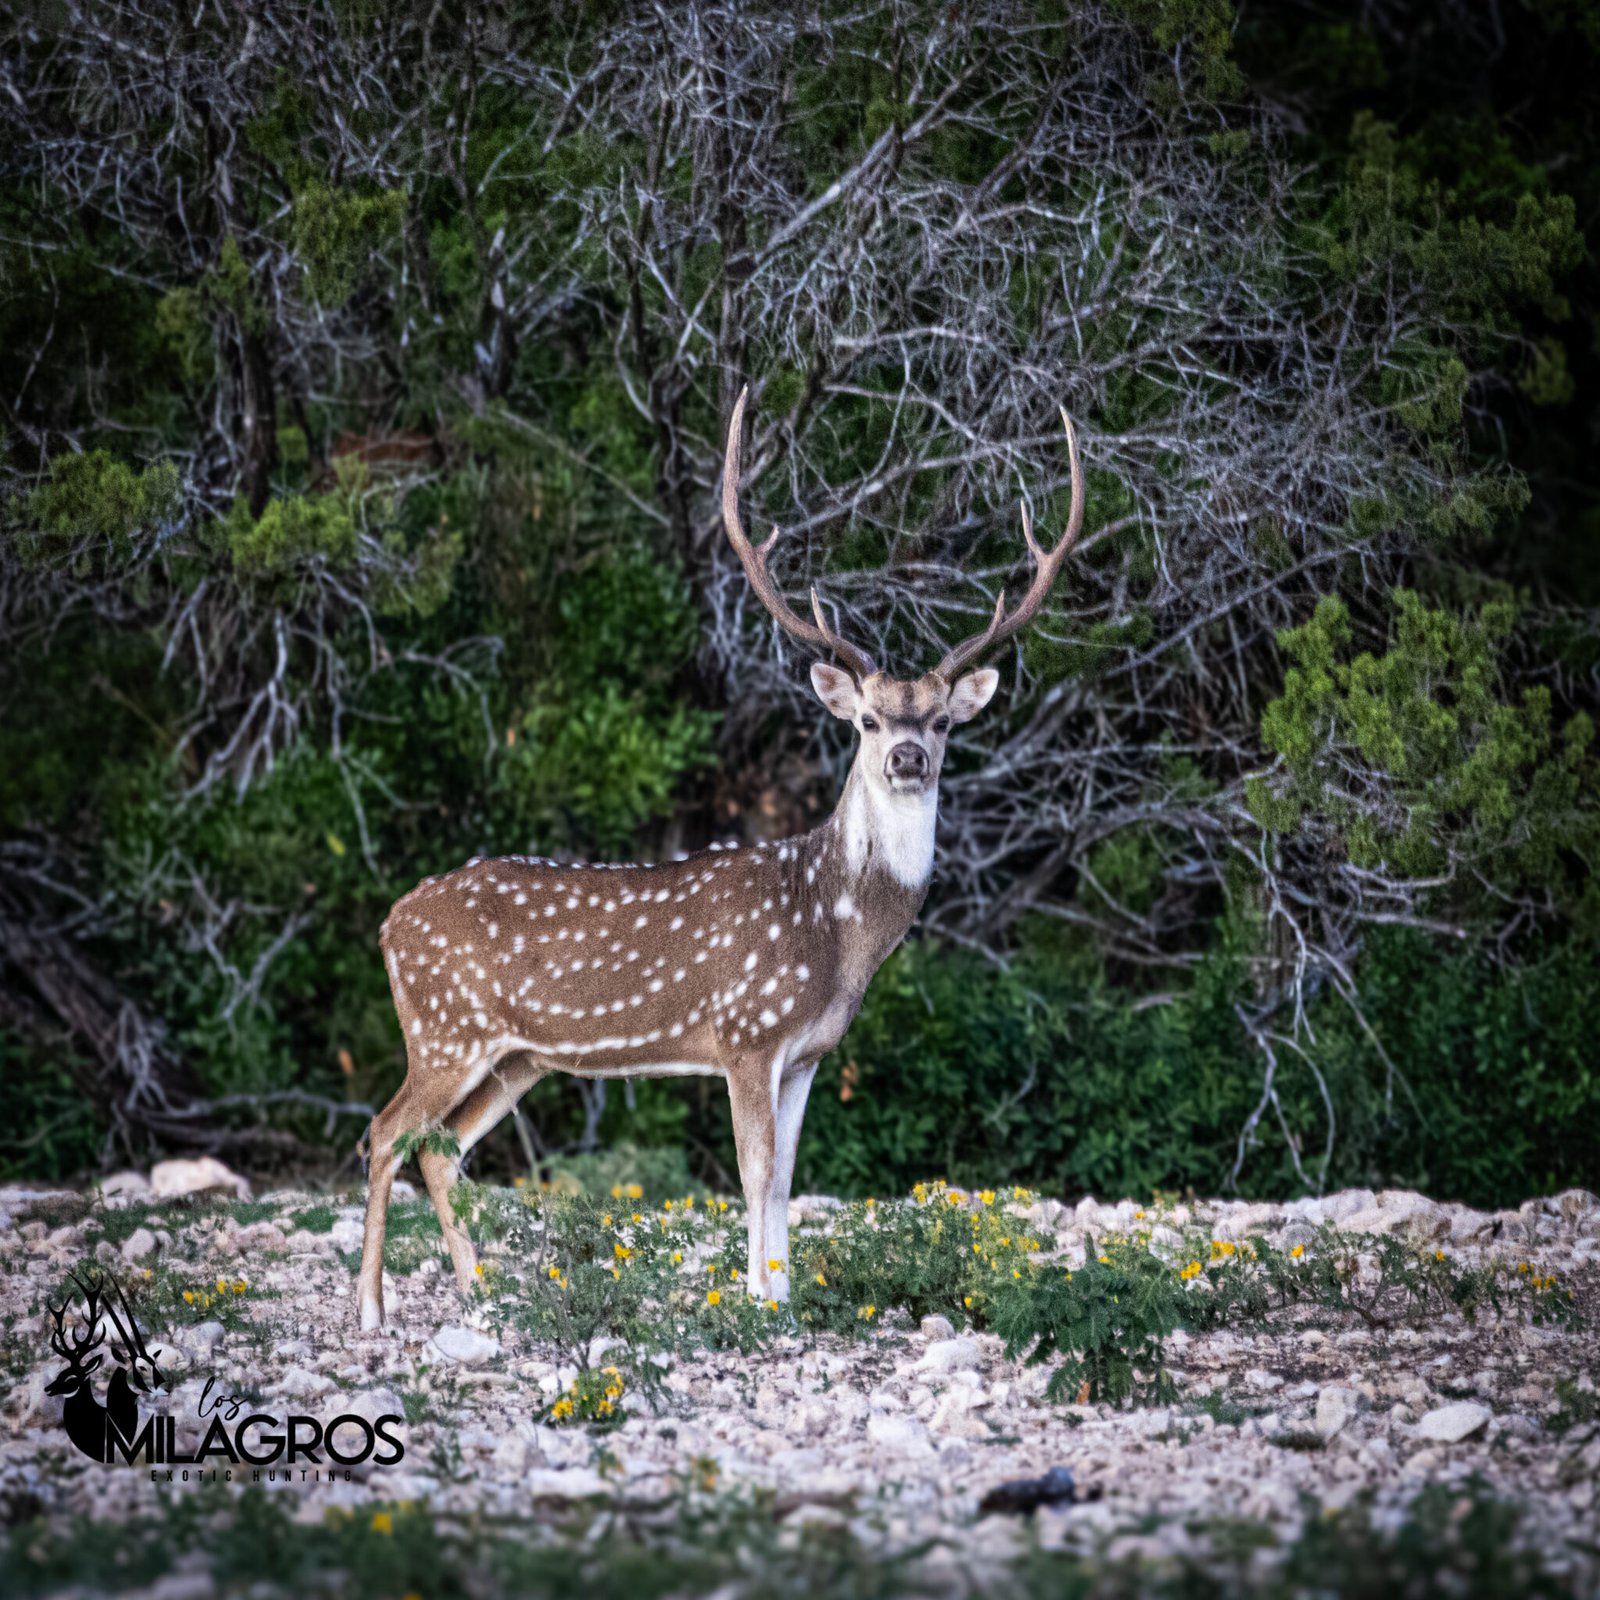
[(908, 766)]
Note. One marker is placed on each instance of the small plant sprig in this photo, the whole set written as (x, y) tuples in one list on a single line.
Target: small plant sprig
[(436, 1141)]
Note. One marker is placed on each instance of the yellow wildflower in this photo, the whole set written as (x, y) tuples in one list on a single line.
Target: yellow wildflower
[(382, 1522), (714, 1297)]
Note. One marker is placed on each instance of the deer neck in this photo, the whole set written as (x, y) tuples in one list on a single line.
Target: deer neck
[(882, 834)]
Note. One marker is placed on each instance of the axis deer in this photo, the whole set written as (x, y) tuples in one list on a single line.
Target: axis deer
[(743, 964)]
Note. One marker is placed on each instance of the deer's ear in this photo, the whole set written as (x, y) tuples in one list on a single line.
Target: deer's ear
[(835, 689), (972, 693)]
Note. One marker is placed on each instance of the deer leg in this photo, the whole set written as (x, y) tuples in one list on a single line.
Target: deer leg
[(792, 1093), (754, 1135), (480, 1112), (382, 1164)]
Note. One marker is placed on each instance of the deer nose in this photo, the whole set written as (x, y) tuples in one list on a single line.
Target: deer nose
[(908, 760)]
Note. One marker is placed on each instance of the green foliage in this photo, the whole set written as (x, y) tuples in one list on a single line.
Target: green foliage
[(98, 508), (1108, 1320), (1493, 778), (1044, 1073), (583, 1273), (436, 1141), (291, 530), (339, 235), (533, 684), (46, 1122), (606, 745), (1452, 1541)]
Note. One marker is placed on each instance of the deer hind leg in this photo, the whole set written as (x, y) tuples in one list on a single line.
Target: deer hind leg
[(793, 1089), (382, 1164), (754, 1136), (480, 1112)]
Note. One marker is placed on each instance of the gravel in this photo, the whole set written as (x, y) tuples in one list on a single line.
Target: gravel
[(900, 1434)]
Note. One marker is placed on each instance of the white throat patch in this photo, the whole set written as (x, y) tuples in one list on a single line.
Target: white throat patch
[(899, 829)]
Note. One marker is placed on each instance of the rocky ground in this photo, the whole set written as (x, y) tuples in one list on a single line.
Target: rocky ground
[(895, 1438)]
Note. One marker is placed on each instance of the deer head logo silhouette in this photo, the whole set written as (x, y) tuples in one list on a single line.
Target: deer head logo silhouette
[(89, 1423)]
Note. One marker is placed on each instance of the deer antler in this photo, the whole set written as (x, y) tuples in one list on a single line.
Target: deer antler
[(1045, 567), (132, 1339), (754, 561), (93, 1333)]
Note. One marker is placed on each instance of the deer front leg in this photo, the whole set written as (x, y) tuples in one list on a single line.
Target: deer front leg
[(792, 1092), (754, 1129)]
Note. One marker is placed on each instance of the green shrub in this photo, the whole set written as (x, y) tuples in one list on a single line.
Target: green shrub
[(1037, 1075)]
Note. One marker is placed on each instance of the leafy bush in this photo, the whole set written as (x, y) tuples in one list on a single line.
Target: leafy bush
[(1043, 1075)]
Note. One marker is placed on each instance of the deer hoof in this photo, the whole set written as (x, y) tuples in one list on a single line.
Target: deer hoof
[(371, 1314)]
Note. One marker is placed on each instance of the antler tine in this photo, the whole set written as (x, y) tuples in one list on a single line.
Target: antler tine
[(58, 1339), (1046, 565), (754, 561), (127, 1330)]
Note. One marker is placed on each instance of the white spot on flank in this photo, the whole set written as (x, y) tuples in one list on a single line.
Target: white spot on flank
[(750, 962), (844, 907)]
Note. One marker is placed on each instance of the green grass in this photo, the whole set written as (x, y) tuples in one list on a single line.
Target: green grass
[(1457, 1542)]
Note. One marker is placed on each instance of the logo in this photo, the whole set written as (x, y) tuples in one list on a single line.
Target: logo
[(89, 1424), (95, 1321)]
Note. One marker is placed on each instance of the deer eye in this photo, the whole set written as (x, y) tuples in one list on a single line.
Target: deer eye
[(869, 724), (941, 724)]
